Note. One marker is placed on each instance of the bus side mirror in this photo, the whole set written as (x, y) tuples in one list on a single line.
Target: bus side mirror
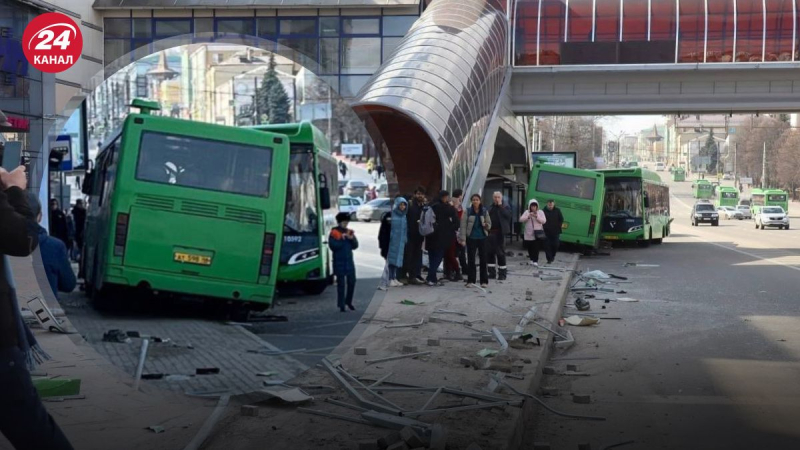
[(88, 183), (324, 192)]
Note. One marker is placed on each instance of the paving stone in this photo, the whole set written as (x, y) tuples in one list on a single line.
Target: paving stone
[(573, 368), (582, 398), (410, 349), (550, 390), (433, 342), (360, 350), (549, 370), (249, 410), (390, 439), (466, 361), (411, 437)]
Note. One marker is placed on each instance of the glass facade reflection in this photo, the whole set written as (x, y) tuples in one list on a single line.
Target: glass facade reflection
[(572, 32)]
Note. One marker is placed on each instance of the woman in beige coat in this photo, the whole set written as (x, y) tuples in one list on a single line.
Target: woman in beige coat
[(534, 221)]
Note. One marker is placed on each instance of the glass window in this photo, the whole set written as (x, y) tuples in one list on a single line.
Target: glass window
[(361, 26), (267, 26), (527, 26), (580, 21), (567, 185), (329, 55), (301, 196), (662, 22), (351, 85), (173, 27), (141, 49), (114, 49), (235, 26), (776, 198), (730, 195), (634, 20), (750, 30), (692, 31), (361, 55), (607, 23), (204, 25), (397, 25), (389, 45), (142, 28), (301, 51), (780, 29), (720, 31), (328, 26), (117, 28), (551, 33), (291, 27), (168, 43), (204, 164)]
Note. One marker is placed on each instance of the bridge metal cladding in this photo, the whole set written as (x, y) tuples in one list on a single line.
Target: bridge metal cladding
[(445, 79)]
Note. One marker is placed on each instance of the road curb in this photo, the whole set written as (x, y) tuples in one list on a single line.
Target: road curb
[(552, 315)]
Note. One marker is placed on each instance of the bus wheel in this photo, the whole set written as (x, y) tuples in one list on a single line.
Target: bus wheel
[(315, 287), (658, 241)]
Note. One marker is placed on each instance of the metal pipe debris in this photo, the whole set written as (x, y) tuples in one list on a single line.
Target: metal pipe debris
[(499, 336), (374, 394), (554, 411), (404, 389), (353, 392), (447, 311), (345, 405), (381, 379), (137, 378), (548, 329), (462, 408), (392, 358), (430, 400), (406, 325), (334, 415)]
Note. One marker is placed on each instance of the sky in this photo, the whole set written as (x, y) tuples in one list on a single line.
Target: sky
[(616, 125)]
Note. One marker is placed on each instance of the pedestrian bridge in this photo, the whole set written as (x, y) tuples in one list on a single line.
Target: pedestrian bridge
[(443, 106)]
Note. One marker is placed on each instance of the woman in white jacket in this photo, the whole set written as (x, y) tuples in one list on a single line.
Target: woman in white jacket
[(534, 220)]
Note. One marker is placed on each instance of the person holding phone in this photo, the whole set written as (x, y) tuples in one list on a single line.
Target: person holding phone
[(475, 226), (343, 242), (23, 419), (534, 220)]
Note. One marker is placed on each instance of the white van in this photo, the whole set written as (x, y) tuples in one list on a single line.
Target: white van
[(659, 167)]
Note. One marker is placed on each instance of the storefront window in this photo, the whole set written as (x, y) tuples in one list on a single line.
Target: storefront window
[(361, 55), (235, 26), (117, 28), (115, 48), (267, 26), (291, 27), (389, 45), (203, 25), (351, 85), (328, 26), (361, 26), (329, 55), (173, 27), (397, 25), (142, 28)]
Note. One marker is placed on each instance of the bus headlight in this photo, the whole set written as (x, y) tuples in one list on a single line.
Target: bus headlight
[(302, 257), (635, 229)]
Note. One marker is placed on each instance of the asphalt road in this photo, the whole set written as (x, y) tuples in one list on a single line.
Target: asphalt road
[(709, 358)]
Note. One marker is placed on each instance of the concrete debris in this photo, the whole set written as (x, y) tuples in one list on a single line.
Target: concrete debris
[(582, 304), (438, 437), (156, 429), (390, 439), (412, 438), (583, 399), (433, 342), (549, 370), (487, 353), (289, 395), (368, 445), (466, 362), (116, 336), (392, 358), (550, 391), (581, 321), (360, 351), (266, 374), (487, 338), (572, 368), (249, 410), (393, 421), (410, 349), (398, 446)]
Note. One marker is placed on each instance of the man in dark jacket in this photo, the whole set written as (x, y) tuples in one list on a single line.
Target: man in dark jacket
[(444, 228), (501, 227), (413, 263), (79, 216), (552, 229), (58, 222), (342, 242), (23, 419), (54, 255)]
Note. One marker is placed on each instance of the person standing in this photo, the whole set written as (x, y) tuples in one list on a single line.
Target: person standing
[(58, 222), (23, 419), (552, 230), (501, 227), (342, 242), (343, 169), (384, 239), (437, 243), (54, 254), (534, 220), (452, 268), (475, 226), (413, 267), (79, 216), (397, 240)]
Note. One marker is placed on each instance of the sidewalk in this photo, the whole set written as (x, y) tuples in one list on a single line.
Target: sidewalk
[(500, 427), (112, 414)]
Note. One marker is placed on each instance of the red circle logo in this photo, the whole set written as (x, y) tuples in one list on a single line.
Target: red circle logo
[(52, 42)]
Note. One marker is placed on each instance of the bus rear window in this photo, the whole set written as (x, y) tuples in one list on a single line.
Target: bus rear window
[(204, 164), (566, 185), (776, 198), (729, 195)]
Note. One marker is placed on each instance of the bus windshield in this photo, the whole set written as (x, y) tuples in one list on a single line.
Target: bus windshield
[(204, 164), (776, 198), (623, 198), (301, 195), (729, 195), (567, 185)]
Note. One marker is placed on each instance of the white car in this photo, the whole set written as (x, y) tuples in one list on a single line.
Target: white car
[(727, 176), (350, 205), (659, 167), (745, 210), (729, 212), (772, 216)]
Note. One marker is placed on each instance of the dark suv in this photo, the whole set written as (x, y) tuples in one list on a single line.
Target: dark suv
[(704, 212)]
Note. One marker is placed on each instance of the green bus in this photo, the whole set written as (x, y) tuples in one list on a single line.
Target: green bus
[(579, 195), (311, 206), (678, 174), (176, 207), (777, 197), (726, 196), (635, 207), (757, 199), (703, 189)]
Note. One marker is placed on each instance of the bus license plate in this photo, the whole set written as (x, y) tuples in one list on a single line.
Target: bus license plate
[(611, 238), (192, 259)]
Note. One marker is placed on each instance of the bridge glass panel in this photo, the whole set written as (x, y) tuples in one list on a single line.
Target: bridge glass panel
[(551, 34), (608, 21), (692, 28), (779, 31), (526, 21), (662, 20), (720, 31), (634, 20), (750, 30), (580, 21)]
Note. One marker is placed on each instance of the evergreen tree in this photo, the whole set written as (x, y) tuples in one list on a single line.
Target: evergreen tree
[(263, 96), (278, 104), (710, 150)]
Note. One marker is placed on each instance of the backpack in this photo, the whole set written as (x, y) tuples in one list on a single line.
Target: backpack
[(426, 221)]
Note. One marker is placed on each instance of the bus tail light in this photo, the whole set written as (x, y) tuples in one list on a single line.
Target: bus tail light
[(121, 234), (592, 224), (266, 254)]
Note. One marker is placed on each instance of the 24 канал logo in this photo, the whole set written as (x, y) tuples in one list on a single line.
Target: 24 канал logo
[(52, 42)]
